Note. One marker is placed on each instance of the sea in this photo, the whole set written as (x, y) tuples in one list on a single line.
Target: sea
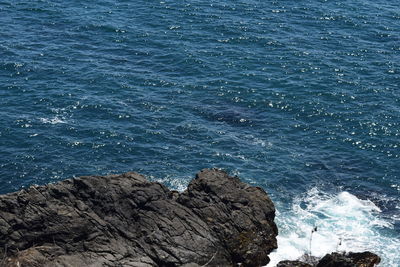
[(301, 98)]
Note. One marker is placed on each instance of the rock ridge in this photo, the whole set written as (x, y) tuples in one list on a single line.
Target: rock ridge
[(126, 220)]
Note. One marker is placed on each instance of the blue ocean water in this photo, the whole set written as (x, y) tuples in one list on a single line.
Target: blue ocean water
[(299, 97)]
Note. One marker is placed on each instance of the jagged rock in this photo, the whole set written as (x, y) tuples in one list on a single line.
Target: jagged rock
[(125, 220), (363, 259), (335, 260)]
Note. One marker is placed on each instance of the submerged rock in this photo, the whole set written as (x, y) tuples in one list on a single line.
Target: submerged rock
[(125, 220)]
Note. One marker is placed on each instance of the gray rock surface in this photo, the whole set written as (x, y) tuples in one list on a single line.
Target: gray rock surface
[(125, 220), (362, 259)]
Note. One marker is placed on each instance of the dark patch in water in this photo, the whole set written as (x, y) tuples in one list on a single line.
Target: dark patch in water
[(234, 116)]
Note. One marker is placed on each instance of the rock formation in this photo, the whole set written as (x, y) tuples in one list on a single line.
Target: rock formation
[(363, 259), (335, 259), (125, 220)]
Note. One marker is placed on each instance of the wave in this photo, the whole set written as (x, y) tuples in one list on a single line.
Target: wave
[(344, 223), (55, 120)]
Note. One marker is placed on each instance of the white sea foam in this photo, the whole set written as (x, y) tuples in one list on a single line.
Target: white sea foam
[(344, 223), (173, 182), (55, 120)]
